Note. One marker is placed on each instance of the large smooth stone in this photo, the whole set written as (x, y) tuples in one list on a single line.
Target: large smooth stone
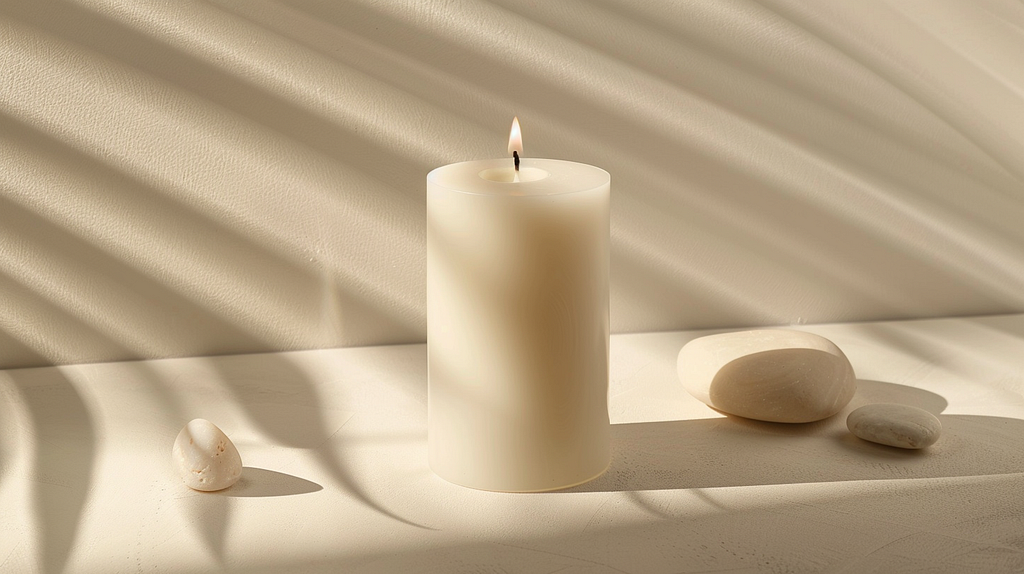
[(205, 457), (773, 375), (892, 424)]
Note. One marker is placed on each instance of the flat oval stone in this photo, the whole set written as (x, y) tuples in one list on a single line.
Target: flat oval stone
[(774, 375), (205, 457), (892, 424)]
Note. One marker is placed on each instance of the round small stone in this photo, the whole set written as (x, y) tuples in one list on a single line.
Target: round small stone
[(901, 426), (205, 457)]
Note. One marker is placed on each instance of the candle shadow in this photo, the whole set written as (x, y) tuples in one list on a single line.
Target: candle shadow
[(733, 451)]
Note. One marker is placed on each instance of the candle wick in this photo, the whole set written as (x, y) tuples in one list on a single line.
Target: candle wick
[(515, 158)]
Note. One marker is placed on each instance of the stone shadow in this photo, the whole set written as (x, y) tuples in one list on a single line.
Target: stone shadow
[(732, 451)]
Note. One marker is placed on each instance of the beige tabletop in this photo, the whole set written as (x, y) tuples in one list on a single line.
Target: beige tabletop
[(336, 478)]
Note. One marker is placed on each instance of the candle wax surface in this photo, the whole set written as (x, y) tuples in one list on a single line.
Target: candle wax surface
[(517, 324), (536, 177)]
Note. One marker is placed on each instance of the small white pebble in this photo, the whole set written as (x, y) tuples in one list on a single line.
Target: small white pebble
[(891, 424), (205, 457)]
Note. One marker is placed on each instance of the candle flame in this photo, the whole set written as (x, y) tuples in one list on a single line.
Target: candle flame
[(515, 138)]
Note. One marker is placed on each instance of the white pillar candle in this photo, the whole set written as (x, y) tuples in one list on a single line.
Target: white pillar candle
[(517, 323)]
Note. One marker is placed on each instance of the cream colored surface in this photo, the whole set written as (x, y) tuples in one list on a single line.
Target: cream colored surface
[(517, 337), (336, 476), (183, 178)]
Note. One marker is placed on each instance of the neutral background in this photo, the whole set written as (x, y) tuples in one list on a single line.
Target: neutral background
[(217, 177)]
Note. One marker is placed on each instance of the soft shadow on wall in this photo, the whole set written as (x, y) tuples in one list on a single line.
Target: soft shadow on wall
[(229, 177)]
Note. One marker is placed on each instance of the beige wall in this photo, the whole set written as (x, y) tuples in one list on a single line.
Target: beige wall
[(181, 179)]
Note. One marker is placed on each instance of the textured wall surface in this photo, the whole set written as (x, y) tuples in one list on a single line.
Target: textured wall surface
[(226, 176)]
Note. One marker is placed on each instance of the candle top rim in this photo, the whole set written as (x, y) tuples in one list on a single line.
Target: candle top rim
[(564, 177)]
